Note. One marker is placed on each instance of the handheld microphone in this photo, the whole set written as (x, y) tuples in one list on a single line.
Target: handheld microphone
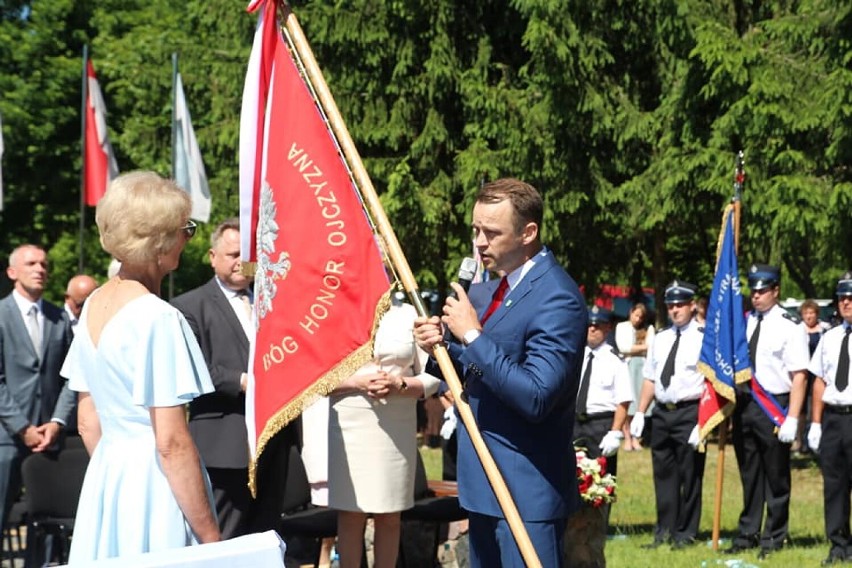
[(467, 272)]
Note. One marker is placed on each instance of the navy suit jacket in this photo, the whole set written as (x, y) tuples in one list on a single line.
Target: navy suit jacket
[(217, 421), (521, 378), (31, 390)]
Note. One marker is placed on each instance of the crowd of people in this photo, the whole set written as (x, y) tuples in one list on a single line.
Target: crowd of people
[(541, 374), (799, 374)]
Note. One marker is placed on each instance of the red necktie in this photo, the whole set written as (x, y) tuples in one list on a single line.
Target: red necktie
[(496, 299)]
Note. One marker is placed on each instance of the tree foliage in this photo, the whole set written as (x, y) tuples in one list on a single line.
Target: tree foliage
[(627, 115)]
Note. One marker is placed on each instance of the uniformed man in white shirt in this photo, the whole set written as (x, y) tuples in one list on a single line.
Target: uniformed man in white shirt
[(673, 381), (604, 394), (831, 425), (778, 347)]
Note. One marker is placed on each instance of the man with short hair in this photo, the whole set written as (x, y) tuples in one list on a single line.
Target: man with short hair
[(605, 393), (520, 343), (78, 290), (672, 380), (35, 402), (219, 313), (831, 424), (764, 420)]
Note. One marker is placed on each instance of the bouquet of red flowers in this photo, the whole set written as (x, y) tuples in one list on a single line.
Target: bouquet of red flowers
[(597, 487)]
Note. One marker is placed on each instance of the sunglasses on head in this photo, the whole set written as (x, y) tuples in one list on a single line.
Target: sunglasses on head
[(189, 229)]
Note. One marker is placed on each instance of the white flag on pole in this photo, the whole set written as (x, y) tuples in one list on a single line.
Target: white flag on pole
[(189, 168)]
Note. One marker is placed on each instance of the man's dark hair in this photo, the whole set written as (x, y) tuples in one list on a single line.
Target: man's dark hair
[(526, 200)]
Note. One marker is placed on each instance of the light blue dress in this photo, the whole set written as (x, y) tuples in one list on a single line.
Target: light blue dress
[(147, 357)]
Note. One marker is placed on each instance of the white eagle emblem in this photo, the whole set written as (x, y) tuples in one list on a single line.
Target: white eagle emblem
[(268, 271)]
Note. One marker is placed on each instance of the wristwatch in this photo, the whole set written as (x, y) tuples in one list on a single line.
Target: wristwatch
[(402, 384), (469, 336)]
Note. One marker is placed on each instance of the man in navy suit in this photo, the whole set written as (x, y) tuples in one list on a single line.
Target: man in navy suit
[(35, 403), (520, 348)]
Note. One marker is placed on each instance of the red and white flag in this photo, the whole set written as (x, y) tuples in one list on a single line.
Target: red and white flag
[(100, 166), (320, 283)]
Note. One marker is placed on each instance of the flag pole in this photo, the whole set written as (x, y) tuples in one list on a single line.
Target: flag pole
[(174, 154), (739, 180), (400, 263), (85, 91)]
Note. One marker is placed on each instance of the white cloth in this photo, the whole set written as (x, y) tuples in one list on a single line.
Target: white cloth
[(237, 302), (259, 550), (625, 337), (609, 385), (687, 383), (824, 365), (781, 350), (146, 356), (315, 449), (372, 443)]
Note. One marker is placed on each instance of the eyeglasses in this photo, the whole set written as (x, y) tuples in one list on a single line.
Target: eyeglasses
[(189, 229), (844, 298), (677, 305), (761, 291)]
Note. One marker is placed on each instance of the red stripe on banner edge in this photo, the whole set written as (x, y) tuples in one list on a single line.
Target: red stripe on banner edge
[(726, 391), (321, 387)]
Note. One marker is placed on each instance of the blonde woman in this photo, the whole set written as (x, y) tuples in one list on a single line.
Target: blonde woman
[(136, 363)]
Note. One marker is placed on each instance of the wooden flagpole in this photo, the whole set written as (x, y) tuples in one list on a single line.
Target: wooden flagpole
[(739, 179), (400, 263)]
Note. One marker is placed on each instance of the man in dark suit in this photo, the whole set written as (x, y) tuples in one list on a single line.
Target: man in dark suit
[(219, 313), (521, 344), (35, 402)]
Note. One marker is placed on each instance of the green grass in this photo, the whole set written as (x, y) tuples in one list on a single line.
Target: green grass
[(633, 516)]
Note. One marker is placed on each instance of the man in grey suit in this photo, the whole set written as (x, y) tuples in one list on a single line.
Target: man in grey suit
[(35, 402), (219, 313)]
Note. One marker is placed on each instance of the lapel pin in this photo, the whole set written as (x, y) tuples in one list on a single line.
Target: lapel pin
[(508, 303)]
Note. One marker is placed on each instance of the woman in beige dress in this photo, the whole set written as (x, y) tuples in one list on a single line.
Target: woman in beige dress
[(372, 441)]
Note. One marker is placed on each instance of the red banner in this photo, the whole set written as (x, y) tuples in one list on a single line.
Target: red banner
[(100, 165), (320, 280)]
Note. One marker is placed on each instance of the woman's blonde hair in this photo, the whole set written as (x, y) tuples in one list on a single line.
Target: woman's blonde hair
[(140, 216)]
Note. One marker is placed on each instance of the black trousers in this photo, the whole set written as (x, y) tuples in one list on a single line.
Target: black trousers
[(232, 498), (764, 463), (588, 434), (835, 451), (678, 473)]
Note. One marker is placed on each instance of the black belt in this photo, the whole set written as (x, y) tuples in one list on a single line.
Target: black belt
[(838, 409), (583, 417), (676, 405)]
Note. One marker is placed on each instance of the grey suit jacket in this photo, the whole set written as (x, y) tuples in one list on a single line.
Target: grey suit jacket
[(217, 420), (31, 390)]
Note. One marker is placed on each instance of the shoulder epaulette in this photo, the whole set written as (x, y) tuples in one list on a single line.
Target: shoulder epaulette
[(701, 329), (617, 353), (792, 317)]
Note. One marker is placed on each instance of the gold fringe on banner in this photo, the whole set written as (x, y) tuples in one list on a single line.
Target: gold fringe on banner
[(321, 387)]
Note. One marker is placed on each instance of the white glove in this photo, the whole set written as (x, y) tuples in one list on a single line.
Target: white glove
[(610, 443), (787, 431), (637, 425), (693, 438), (814, 435), (449, 425)]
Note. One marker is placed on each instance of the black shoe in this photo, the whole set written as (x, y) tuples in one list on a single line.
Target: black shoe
[(653, 545), (737, 548), (832, 559), (681, 544)]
